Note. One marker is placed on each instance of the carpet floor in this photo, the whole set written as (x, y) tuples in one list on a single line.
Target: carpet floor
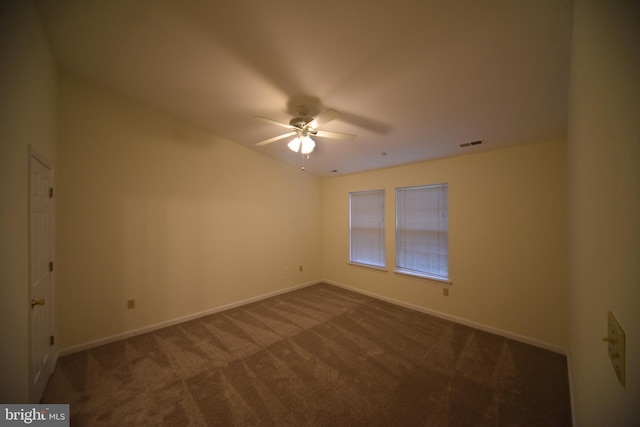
[(317, 356)]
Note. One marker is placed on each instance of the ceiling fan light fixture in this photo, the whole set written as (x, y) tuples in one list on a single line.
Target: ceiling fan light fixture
[(304, 144), (294, 145), (307, 145)]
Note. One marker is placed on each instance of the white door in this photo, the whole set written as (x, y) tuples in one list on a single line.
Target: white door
[(40, 275)]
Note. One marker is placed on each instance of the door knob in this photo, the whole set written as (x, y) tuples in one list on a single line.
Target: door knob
[(37, 302)]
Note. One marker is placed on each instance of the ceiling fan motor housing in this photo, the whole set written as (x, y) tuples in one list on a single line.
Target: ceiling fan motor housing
[(300, 122)]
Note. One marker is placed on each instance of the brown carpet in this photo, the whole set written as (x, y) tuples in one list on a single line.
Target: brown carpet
[(318, 356)]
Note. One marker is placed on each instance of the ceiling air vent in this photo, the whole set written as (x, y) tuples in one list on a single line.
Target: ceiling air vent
[(469, 144)]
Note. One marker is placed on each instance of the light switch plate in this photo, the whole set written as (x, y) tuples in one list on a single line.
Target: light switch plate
[(616, 340)]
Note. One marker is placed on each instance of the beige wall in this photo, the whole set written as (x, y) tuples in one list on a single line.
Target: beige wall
[(154, 209), (507, 239), (604, 208), (27, 117)]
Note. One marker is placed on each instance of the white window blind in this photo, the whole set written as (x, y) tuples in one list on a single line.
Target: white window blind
[(422, 231), (366, 228)]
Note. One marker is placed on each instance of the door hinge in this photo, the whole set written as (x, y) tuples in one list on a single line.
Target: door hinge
[(50, 266), (52, 340), (50, 192)]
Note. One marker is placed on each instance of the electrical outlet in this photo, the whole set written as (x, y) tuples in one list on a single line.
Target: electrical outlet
[(616, 343), (300, 268), (131, 304), (445, 292)]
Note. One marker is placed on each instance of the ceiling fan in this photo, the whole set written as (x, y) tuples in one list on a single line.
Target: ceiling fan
[(303, 127)]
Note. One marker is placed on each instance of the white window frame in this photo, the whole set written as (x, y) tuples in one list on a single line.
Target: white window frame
[(367, 234), (422, 233)]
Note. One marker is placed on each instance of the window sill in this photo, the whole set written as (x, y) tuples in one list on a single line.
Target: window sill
[(417, 275), (372, 267)]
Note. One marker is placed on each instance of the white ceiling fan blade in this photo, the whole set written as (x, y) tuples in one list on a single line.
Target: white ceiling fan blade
[(275, 138), (273, 122), (323, 118), (334, 135)]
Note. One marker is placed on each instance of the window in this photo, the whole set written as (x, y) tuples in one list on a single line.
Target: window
[(366, 228), (422, 231)]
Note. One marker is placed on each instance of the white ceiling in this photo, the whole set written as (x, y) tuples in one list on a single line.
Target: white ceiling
[(412, 78)]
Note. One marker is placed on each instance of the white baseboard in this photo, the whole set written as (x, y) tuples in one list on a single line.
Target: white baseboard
[(466, 322), (156, 326)]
